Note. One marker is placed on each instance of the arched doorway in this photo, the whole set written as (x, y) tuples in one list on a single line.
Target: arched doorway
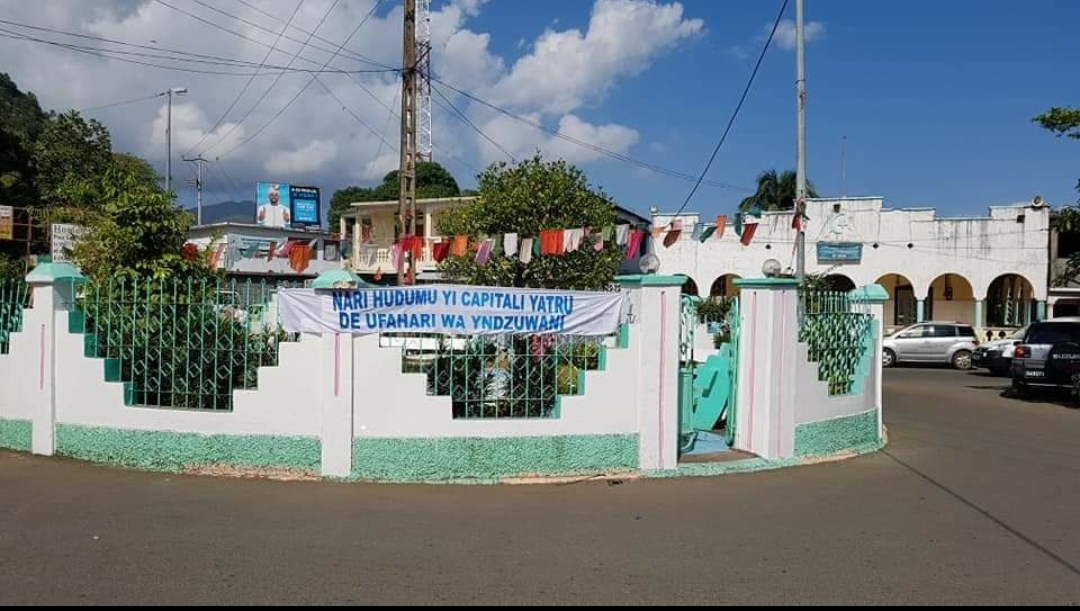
[(689, 287), (901, 309), (839, 282), (724, 286), (951, 298), (1010, 301)]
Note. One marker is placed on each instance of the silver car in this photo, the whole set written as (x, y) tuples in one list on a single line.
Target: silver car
[(931, 342)]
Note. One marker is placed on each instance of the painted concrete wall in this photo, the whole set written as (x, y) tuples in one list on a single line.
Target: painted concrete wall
[(783, 409), (980, 248), (338, 401)]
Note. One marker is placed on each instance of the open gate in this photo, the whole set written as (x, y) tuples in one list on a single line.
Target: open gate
[(707, 377)]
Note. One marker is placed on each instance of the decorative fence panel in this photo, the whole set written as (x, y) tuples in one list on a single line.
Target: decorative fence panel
[(502, 376), (14, 298), (180, 344), (838, 331)]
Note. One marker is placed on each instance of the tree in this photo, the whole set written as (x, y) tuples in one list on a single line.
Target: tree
[(138, 231), (775, 192), (69, 151), (432, 180), (1063, 121), (526, 198)]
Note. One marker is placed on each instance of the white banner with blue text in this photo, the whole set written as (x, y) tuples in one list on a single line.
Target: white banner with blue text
[(465, 310)]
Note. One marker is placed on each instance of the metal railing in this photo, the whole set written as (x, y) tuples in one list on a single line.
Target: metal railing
[(180, 344), (501, 376), (836, 329), (14, 298)]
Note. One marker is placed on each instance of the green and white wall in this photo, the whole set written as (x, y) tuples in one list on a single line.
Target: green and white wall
[(340, 406)]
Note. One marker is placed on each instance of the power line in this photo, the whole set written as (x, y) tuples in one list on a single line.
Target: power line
[(586, 145), (310, 81), (274, 84), (225, 29), (735, 113), (349, 52), (248, 84), (123, 103), (382, 139), (461, 116), (110, 55)]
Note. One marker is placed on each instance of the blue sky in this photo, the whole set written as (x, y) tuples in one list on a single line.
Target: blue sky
[(935, 98)]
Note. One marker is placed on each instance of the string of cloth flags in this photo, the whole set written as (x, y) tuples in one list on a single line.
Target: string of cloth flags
[(558, 242)]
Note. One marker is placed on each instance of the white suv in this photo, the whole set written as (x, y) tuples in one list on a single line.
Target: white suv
[(931, 342)]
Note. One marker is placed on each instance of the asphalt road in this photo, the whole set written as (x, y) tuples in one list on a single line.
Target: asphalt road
[(975, 502)]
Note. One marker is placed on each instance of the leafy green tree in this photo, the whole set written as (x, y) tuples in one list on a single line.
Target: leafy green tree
[(526, 198), (69, 151), (775, 192), (1064, 121), (432, 180), (138, 230)]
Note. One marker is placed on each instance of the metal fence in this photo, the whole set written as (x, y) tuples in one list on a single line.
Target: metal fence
[(180, 344), (501, 376), (14, 298), (837, 330)]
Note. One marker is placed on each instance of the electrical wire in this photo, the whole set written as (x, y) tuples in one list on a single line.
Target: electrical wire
[(461, 116), (274, 84), (225, 29), (738, 107), (586, 145), (123, 103), (236, 100), (310, 81), (348, 52), (111, 54)]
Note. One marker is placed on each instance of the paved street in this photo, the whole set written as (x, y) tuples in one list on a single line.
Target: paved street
[(976, 502)]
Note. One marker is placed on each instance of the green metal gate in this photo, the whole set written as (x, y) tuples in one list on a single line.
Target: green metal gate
[(707, 389)]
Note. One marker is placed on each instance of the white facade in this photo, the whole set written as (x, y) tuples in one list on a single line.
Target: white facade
[(989, 271), (253, 250)]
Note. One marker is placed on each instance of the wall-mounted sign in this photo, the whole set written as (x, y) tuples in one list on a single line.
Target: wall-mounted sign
[(62, 239), (7, 223), (839, 252)]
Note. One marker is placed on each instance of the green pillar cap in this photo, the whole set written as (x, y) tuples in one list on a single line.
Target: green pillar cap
[(49, 273)]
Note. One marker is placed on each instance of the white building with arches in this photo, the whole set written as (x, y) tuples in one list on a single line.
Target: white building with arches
[(990, 271)]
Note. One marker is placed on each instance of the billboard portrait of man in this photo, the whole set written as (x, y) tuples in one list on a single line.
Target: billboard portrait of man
[(273, 205)]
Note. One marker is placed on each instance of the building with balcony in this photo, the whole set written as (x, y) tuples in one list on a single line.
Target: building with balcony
[(369, 230), (988, 271)]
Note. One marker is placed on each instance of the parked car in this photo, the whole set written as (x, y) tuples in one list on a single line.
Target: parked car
[(1048, 355), (931, 342), (996, 355)]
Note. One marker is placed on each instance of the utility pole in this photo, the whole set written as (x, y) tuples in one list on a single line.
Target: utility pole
[(168, 132), (407, 166), (424, 146), (800, 147), (199, 161), (843, 166)]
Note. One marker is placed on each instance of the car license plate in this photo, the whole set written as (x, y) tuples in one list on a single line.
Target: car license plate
[(1034, 373)]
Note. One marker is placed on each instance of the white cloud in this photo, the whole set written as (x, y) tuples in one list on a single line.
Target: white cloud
[(314, 140), (785, 33), (569, 68), (521, 140), (308, 159)]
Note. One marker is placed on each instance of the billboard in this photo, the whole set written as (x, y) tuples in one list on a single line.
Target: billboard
[(284, 206), (306, 211)]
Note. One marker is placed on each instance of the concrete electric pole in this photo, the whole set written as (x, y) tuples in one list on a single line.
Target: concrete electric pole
[(800, 147), (407, 166), (199, 161)]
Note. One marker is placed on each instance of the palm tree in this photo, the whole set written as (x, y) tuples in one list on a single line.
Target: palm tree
[(775, 192)]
